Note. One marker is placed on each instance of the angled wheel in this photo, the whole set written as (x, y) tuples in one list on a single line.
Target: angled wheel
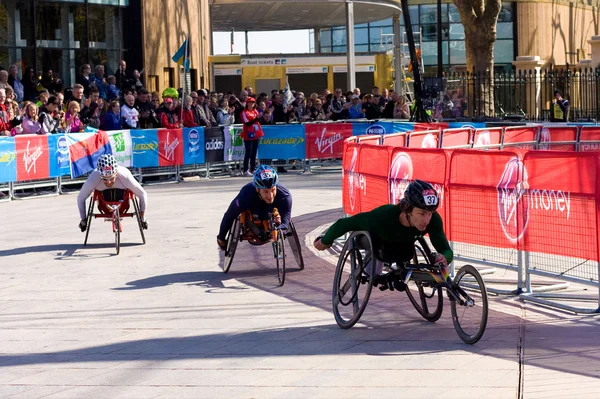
[(233, 237), (117, 228), (425, 297), (295, 245), (353, 280), (136, 207), (90, 216), (470, 317), (279, 253)]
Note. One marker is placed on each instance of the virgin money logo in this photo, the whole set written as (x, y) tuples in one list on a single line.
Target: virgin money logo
[(356, 181), (399, 176), (513, 203), (170, 146), (30, 157), (326, 143), (483, 139), (545, 138), (429, 141)]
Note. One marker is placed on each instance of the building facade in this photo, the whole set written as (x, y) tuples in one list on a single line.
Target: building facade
[(64, 35)]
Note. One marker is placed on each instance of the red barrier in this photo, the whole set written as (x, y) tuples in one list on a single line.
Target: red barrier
[(484, 197), (32, 157), (395, 140), (370, 139), (589, 138), (560, 205), (457, 138), (326, 140), (350, 176), (559, 138), (426, 139), (170, 147), (520, 137), (373, 165), (488, 138)]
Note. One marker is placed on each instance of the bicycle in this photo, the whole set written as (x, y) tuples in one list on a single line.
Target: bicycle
[(422, 281), (115, 217), (247, 230)]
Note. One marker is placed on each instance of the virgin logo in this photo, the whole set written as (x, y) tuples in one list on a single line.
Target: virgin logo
[(356, 181), (429, 141), (544, 138), (169, 148), (399, 176), (30, 158), (513, 204), (483, 139), (326, 143)]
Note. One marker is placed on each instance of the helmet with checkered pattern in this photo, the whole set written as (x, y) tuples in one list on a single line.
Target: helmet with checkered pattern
[(107, 165)]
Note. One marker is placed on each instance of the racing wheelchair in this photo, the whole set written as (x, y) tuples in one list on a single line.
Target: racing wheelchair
[(421, 279), (115, 217), (260, 233)]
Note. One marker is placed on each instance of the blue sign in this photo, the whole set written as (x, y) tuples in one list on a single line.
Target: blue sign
[(474, 125), (58, 154), (360, 128), (403, 127), (144, 150), (193, 145), (8, 160), (282, 142)]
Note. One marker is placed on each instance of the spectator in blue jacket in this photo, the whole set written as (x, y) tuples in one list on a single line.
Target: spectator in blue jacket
[(112, 120), (355, 110)]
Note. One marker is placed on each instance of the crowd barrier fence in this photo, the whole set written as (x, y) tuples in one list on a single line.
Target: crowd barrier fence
[(503, 204)]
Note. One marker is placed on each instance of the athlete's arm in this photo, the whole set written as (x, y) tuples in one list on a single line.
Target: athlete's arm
[(361, 221), (284, 206), (237, 206), (88, 188), (133, 185), (438, 237)]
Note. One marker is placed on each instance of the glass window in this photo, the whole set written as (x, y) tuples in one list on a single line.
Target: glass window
[(504, 51), (363, 48), (505, 13), (458, 55), (339, 49), (413, 11), (429, 53), (326, 49), (15, 13), (457, 32), (338, 37), (453, 13), (325, 37), (428, 14), (385, 22), (504, 30), (361, 26), (376, 34), (361, 36)]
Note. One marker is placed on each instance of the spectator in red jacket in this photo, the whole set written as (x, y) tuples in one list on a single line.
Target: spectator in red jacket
[(168, 118), (188, 113), (251, 133)]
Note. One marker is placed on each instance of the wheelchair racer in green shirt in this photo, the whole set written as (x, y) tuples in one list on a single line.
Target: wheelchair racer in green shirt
[(395, 228)]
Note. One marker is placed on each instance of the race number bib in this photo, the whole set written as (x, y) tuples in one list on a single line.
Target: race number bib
[(430, 198), (267, 174)]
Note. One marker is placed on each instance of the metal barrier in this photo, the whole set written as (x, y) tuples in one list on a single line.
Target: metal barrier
[(5, 192), (157, 173), (34, 188)]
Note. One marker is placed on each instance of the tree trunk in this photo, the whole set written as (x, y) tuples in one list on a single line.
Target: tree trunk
[(479, 19)]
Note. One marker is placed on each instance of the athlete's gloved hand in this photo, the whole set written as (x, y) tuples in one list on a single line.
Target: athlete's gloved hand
[(83, 225), (144, 224)]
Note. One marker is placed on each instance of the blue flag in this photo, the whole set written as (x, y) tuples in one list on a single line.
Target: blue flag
[(182, 56)]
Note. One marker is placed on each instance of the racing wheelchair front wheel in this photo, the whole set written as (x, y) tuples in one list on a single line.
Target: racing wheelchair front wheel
[(470, 316), (426, 297), (295, 245), (353, 280), (117, 229), (232, 239), (279, 253)]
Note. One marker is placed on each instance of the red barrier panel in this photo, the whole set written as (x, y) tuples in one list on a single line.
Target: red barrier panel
[(559, 138), (32, 157), (485, 139), (520, 137), (407, 164), (484, 198), (326, 140), (427, 139), (170, 147), (395, 140), (457, 138), (370, 139), (589, 138), (560, 205), (350, 178), (373, 165)]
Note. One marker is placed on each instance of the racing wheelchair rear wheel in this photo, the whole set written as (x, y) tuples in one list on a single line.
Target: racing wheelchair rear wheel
[(136, 207), (279, 253), (425, 296), (353, 280), (295, 245), (232, 239), (470, 318), (90, 216)]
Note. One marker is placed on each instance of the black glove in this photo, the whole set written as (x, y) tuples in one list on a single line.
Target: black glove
[(83, 225), (144, 224)]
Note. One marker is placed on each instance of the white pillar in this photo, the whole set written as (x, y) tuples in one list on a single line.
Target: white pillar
[(595, 43), (532, 91), (398, 72), (351, 79)]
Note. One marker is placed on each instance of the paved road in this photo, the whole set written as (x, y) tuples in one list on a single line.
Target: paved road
[(163, 321)]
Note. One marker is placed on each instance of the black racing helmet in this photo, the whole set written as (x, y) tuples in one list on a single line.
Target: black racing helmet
[(420, 194)]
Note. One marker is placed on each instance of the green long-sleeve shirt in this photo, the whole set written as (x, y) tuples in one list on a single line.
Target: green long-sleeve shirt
[(383, 223)]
